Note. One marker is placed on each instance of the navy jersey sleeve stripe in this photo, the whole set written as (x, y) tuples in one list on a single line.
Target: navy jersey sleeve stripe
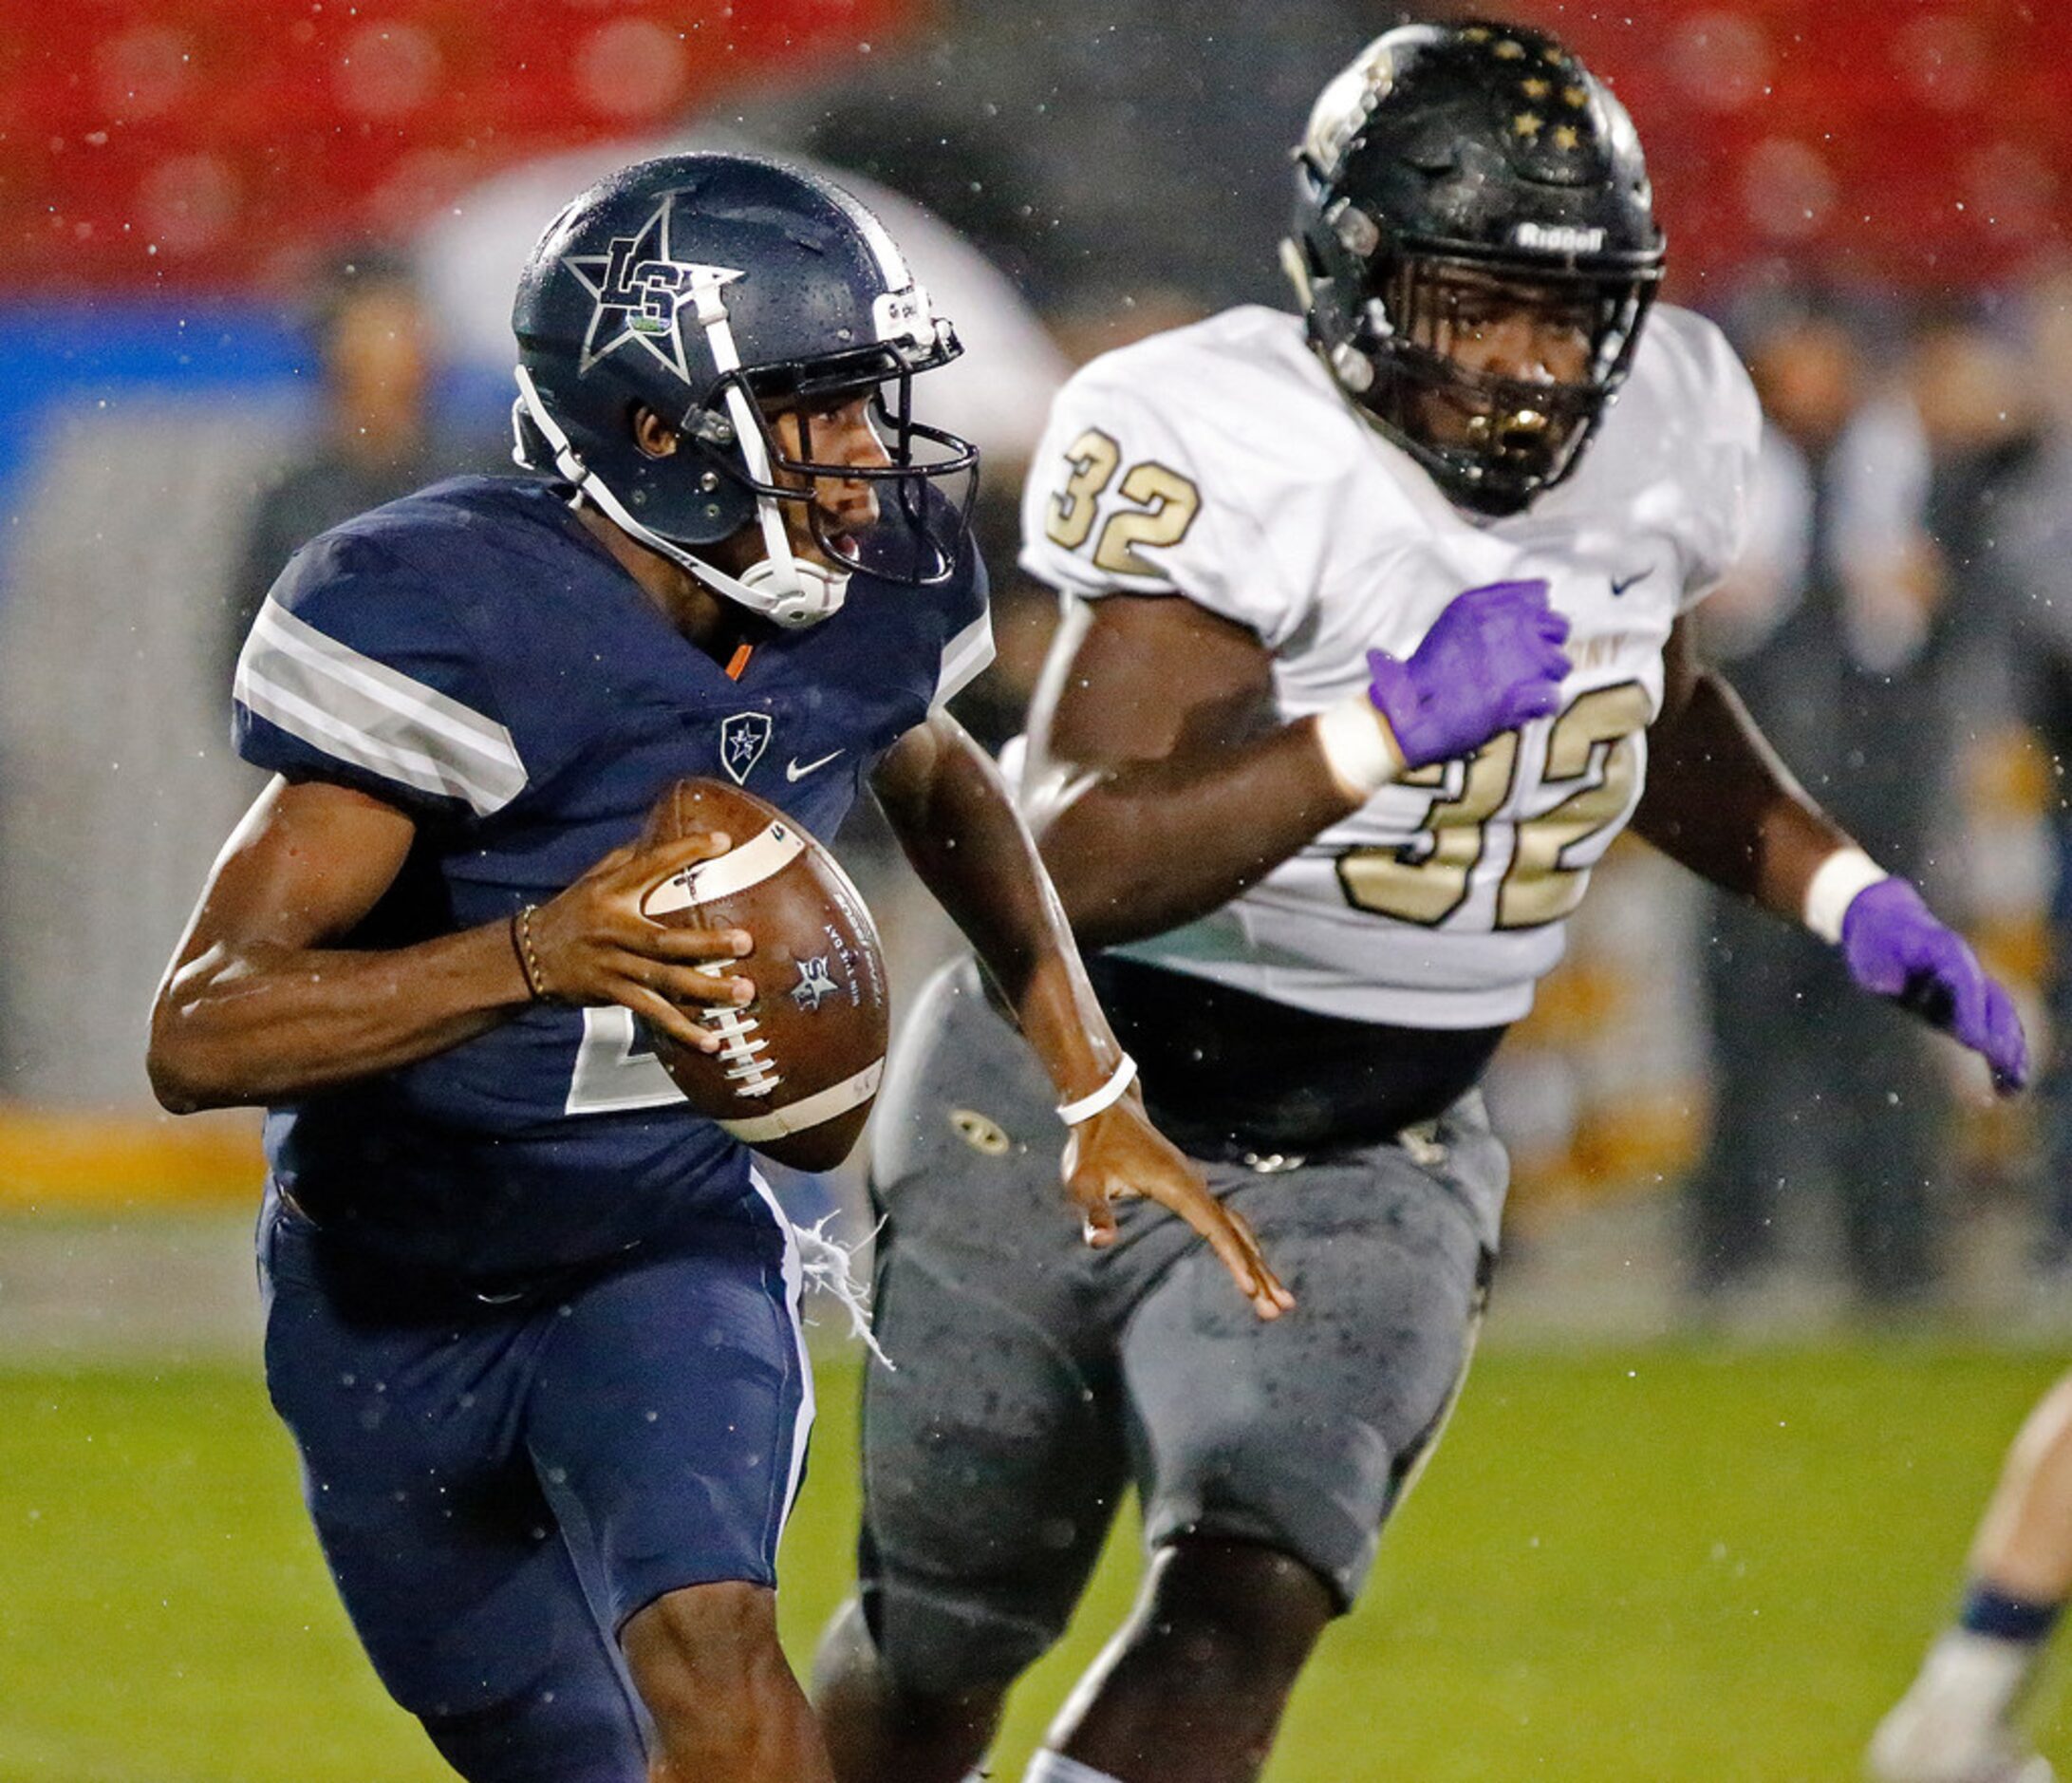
[(964, 658), (350, 707)]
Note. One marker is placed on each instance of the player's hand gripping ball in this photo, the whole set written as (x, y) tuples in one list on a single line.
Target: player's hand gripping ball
[(798, 1068)]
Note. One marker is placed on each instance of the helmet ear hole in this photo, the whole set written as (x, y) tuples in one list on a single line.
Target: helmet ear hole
[(655, 438)]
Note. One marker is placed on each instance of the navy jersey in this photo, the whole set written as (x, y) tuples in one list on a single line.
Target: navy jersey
[(474, 656)]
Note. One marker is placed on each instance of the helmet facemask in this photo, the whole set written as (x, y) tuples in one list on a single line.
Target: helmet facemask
[(1492, 441), (1454, 161), (923, 550)]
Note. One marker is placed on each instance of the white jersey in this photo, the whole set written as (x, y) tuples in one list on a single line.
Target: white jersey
[(1222, 462)]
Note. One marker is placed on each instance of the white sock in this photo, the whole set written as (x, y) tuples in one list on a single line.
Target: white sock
[(1054, 1767), (1979, 1670)]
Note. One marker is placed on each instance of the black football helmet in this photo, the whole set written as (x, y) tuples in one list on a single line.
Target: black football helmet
[(711, 288), (1476, 158)]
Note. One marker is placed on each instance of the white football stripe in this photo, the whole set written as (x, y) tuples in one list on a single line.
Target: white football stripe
[(891, 262), (809, 1111), (764, 855), (324, 732), (346, 704), (466, 728)]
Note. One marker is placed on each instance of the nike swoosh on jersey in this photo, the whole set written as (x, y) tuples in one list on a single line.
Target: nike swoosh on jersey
[(794, 773), (1620, 584)]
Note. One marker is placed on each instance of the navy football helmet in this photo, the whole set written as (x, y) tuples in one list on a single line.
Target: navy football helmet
[(1448, 162), (712, 288)]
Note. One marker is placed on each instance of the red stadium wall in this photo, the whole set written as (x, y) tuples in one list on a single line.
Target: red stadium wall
[(199, 143), (1914, 142)]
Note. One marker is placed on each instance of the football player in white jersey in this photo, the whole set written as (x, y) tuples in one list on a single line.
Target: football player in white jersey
[(1374, 620)]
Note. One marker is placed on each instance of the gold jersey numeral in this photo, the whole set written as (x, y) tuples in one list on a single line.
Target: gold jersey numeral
[(1595, 744), (1094, 458), (1426, 879), (1164, 505), (1171, 502), (1595, 748)]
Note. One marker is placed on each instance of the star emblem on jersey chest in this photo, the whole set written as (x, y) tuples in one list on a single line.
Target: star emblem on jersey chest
[(743, 737)]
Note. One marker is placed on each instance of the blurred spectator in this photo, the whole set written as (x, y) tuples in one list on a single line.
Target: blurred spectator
[(2034, 560), (1839, 629), (368, 327)]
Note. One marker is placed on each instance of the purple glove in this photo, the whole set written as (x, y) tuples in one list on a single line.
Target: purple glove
[(1895, 948), (1492, 660)]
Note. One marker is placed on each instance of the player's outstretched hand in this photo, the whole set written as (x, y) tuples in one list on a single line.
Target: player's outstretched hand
[(1492, 660), (592, 944), (1897, 948), (1118, 1153)]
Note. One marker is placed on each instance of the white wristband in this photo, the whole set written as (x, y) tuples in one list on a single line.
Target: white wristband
[(1072, 1114), (1834, 887), (1357, 747)]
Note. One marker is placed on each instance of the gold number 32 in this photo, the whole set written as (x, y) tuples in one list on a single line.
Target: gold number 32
[(1165, 504), (1594, 755)]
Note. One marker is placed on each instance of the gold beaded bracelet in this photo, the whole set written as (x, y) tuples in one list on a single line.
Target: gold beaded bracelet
[(521, 944)]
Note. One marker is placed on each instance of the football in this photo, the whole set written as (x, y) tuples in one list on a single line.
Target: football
[(799, 1065)]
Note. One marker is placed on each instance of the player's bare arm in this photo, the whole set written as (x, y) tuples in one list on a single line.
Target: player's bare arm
[(1719, 800), (1719, 803), (260, 1006), (1172, 784), (1196, 789), (952, 813)]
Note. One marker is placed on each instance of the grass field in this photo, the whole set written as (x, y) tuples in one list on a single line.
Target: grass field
[(1648, 1564)]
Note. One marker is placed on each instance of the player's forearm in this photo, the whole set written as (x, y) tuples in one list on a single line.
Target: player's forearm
[(1719, 803), (968, 844), (266, 1024), (1152, 845)]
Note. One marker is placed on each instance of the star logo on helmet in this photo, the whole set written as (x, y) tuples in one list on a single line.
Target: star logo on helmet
[(640, 289)]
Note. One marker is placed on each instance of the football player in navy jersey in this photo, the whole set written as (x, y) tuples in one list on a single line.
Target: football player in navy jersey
[(532, 1322)]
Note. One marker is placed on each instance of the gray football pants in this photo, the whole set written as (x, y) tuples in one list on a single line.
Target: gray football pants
[(1034, 1377)]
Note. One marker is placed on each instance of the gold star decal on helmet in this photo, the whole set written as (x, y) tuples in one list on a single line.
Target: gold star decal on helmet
[(1575, 98), (1533, 87), (1511, 49), (1565, 137), (1528, 125), (1476, 34)]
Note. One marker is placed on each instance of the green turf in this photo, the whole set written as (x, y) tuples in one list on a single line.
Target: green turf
[(1645, 1564)]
